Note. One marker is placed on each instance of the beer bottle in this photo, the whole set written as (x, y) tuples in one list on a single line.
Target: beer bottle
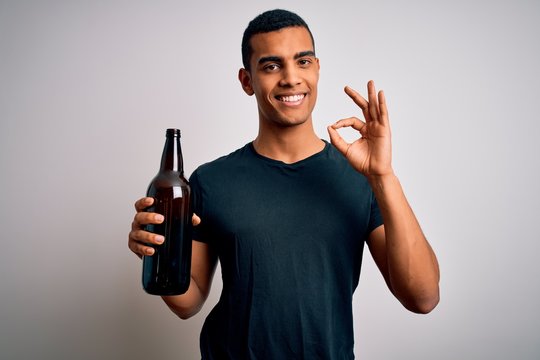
[(167, 271)]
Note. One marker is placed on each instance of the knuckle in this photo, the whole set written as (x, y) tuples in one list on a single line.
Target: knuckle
[(141, 218), (133, 246), (143, 203), (138, 247), (140, 242), (133, 238), (138, 206), (137, 236)]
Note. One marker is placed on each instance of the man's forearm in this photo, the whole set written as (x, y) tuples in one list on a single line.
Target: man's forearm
[(413, 271), (203, 266), (187, 304)]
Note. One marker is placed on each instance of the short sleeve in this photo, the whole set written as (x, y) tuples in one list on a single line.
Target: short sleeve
[(199, 231), (375, 217)]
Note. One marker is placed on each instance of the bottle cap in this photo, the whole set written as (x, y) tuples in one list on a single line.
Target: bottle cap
[(173, 132)]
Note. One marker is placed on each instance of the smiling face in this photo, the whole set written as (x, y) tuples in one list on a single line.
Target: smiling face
[(283, 76)]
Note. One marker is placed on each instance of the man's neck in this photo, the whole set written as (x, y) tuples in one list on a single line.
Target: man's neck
[(289, 145)]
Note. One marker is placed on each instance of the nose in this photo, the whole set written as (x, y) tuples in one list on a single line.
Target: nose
[(290, 77)]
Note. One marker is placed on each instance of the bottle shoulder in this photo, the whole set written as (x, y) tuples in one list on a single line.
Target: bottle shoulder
[(169, 179)]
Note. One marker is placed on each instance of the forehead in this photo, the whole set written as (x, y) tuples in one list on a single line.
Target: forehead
[(283, 43)]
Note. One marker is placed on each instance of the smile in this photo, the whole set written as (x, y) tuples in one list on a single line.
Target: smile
[(291, 99)]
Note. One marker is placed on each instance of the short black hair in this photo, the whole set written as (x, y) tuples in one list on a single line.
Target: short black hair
[(268, 21)]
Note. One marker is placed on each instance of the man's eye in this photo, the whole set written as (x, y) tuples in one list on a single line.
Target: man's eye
[(304, 62), (271, 67)]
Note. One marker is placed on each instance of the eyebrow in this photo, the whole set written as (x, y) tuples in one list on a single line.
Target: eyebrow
[(271, 58)]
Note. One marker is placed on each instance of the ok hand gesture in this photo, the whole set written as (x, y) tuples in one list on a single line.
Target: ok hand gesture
[(371, 153)]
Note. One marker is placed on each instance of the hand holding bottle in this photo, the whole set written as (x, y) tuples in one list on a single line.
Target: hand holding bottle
[(139, 238)]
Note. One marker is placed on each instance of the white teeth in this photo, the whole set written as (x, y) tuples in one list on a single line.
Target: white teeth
[(292, 98)]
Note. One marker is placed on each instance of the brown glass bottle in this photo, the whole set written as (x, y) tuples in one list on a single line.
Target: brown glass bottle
[(167, 271)]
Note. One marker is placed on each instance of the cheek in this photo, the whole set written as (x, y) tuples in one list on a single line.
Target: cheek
[(314, 82), (262, 96), (261, 90), (315, 79)]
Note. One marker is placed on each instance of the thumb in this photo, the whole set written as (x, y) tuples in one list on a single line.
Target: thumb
[(195, 219), (337, 140)]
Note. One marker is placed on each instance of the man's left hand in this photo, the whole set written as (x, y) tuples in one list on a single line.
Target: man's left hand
[(371, 153)]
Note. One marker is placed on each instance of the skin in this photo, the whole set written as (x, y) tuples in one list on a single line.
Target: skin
[(284, 65), (399, 248)]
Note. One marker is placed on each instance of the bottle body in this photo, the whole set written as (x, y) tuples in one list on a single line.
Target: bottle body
[(168, 270)]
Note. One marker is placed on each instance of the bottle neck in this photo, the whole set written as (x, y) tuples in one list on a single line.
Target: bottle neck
[(171, 159)]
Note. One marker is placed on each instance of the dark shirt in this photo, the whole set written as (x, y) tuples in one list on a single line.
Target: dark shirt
[(290, 239)]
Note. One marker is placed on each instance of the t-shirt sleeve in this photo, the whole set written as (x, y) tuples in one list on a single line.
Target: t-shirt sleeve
[(199, 231), (375, 217)]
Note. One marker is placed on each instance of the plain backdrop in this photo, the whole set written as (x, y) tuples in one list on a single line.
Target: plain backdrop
[(87, 89)]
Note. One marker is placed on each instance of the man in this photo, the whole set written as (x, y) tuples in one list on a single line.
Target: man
[(287, 215)]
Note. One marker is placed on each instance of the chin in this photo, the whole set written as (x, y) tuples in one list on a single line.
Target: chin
[(292, 123)]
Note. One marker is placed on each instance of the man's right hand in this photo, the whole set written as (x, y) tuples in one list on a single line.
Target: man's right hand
[(139, 239), (203, 259)]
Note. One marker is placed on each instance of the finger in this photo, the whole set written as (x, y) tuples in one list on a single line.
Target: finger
[(353, 122), (143, 203), (373, 103), (146, 237), (146, 218), (356, 97), (359, 100), (140, 249), (337, 140), (383, 110), (195, 220)]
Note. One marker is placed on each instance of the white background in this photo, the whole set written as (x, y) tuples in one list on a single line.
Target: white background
[(87, 89)]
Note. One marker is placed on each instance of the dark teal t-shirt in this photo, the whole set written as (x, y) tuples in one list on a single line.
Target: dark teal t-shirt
[(290, 239)]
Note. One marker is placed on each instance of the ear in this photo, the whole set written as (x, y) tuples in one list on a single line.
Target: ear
[(245, 80)]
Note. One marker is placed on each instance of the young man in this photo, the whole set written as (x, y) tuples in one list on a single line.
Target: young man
[(288, 214)]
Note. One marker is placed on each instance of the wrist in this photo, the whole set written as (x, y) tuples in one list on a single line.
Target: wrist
[(380, 182), (387, 176)]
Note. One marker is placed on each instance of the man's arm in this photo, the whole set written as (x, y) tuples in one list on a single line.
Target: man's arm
[(203, 260), (203, 266), (399, 248), (401, 251)]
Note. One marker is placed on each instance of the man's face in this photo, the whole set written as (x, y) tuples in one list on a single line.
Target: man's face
[(284, 75)]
